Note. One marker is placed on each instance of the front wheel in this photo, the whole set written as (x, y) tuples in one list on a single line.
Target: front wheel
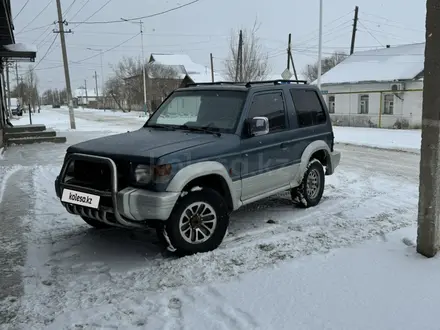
[(311, 189), (197, 224)]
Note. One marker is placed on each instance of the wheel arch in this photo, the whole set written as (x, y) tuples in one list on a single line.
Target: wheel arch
[(206, 174)]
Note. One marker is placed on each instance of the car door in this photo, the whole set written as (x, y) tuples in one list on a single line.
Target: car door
[(265, 159)]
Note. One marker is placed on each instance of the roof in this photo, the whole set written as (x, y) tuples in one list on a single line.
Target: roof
[(81, 92), (184, 65), (404, 62)]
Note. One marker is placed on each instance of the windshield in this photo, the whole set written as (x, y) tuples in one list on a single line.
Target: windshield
[(216, 110)]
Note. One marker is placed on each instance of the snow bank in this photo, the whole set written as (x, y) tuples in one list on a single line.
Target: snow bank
[(404, 140)]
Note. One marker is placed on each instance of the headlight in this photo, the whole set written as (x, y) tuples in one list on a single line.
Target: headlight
[(143, 174)]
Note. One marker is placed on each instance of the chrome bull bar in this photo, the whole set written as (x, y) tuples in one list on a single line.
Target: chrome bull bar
[(102, 213)]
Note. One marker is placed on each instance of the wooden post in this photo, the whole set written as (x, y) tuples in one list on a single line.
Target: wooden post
[(428, 233), (212, 67)]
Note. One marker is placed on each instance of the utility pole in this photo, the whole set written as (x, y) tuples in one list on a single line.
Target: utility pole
[(353, 35), (9, 88), (240, 68), (238, 64), (320, 46), (96, 86), (85, 89), (428, 232), (290, 57), (66, 63), (212, 67)]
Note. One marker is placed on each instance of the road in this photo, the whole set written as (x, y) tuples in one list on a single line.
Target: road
[(58, 263)]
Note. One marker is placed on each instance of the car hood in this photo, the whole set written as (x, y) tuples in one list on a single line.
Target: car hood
[(142, 145)]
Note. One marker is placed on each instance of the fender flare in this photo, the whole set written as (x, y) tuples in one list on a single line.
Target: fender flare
[(307, 154), (197, 170)]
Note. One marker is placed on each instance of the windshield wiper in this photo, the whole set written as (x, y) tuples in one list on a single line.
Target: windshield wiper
[(200, 129), (162, 126)]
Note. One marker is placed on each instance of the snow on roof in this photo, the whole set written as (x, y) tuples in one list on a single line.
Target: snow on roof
[(25, 48), (184, 65), (81, 92), (386, 64)]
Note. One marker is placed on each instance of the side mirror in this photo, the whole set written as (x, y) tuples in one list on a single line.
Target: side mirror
[(259, 126)]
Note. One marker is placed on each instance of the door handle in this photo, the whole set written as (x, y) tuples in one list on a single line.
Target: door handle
[(283, 146)]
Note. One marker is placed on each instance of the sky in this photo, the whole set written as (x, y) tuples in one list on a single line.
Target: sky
[(202, 28)]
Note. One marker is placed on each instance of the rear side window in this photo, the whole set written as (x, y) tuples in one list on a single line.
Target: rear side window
[(309, 109), (270, 105)]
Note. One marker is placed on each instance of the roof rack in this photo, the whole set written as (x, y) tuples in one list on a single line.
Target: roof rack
[(213, 83), (275, 82)]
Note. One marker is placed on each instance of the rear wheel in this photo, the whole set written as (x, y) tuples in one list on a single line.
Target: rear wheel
[(311, 189), (95, 223), (197, 224)]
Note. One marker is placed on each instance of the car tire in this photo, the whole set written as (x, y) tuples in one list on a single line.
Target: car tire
[(197, 224), (95, 223), (311, 189)]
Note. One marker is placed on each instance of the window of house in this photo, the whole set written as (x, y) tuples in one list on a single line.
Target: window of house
[(388, 104), (308, 106), (270, 105), (363, 104), (331, 104)]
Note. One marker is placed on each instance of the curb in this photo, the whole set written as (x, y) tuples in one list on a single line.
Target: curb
[(409, 151)]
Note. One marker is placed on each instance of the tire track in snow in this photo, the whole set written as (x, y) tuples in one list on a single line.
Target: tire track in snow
[(15, 205)]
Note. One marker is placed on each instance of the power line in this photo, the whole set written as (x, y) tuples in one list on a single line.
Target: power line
[(19, 12), (141, 17), (388, 20), (38, 15), (371, 34), (47, 52), (36, 28), (84, 4), (70, 7), (93, 56), (97, 11), (393, 25)]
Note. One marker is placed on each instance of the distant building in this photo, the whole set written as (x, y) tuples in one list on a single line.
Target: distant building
[(84, 98), (171, 71), (377, 88)]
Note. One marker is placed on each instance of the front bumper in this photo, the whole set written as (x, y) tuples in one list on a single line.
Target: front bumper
[(130, 207), (335, 159)]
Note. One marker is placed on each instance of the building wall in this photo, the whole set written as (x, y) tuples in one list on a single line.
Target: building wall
[(407, 109)]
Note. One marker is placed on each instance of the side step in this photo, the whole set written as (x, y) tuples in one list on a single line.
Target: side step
[(31, 140), (30, 134)]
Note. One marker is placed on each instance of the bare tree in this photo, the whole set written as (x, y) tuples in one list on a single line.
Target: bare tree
[(126, 85), (255, 59), (311, 71)]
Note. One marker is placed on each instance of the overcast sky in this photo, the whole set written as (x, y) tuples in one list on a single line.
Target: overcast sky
[(204, 27)]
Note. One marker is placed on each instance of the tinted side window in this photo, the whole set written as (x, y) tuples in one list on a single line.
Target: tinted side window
[(270, 105), (309, 109)]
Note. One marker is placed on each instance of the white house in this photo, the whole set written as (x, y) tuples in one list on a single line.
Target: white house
[(184, 66), (377, 88), (84, 97)]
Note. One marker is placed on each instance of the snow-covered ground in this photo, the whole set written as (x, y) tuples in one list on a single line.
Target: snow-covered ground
[(305, 269), (404, 140), (118, 121)]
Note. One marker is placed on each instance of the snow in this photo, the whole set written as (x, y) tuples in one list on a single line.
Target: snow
[(403, 140), (21, 47), (348, 263), (109, 121), (81, 92), (385, 64), (184, 64)]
